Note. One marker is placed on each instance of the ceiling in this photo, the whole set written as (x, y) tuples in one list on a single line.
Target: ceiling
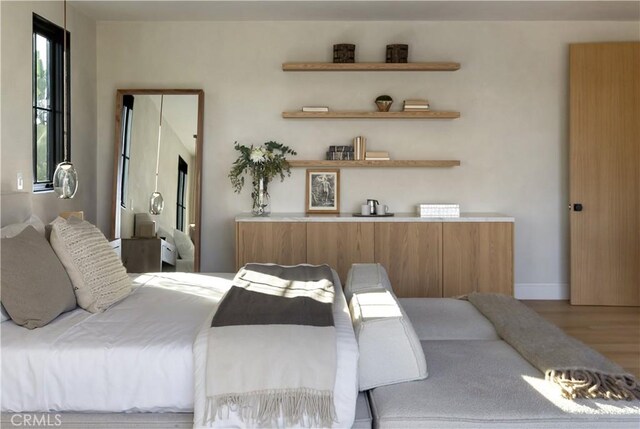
[(359, 10)]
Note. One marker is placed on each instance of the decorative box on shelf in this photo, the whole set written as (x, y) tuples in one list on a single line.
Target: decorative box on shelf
[(439, 210)]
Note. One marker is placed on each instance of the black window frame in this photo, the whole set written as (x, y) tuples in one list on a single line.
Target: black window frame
[(55, 137), (125, 146), (181, 208)]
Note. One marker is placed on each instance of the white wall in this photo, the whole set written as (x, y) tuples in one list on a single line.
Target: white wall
[(511, 138), (16, 104)]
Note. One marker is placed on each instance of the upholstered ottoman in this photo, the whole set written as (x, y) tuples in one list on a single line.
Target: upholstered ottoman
[(478, 381)]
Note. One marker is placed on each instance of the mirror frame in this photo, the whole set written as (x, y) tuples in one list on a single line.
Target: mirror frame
[(115, 212)]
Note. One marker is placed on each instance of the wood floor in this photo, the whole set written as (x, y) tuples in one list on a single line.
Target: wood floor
[(613, 331)]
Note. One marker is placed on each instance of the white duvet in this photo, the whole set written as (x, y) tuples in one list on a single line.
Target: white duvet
[(138, 355)]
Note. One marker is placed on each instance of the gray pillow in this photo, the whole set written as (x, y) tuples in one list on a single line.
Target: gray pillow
[(35, 287)]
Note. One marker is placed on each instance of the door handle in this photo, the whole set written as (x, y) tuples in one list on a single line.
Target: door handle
[(577, 207)]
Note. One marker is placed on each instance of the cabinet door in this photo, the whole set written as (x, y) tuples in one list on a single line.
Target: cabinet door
[(411, 253), (142, 255), (477, 257), (339, 244), (276, 242)]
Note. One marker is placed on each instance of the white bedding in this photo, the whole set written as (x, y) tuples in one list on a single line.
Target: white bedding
[(138, 355)]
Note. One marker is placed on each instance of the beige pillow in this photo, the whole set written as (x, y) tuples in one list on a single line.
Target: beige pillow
[(98, 277), (35, 287), (185, 246)]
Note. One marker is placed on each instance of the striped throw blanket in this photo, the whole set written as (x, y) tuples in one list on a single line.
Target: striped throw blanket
[(272, 348)]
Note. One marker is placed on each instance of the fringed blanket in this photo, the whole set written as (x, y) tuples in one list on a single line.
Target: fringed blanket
[(580, 371), (272, 348)]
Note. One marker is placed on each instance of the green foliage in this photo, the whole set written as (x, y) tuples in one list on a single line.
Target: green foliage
[(261, 162), (384, 98)]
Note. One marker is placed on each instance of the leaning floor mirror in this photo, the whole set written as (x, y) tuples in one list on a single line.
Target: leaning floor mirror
[(157, 179)]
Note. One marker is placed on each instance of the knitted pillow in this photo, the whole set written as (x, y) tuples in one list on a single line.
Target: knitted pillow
[(98, 277)]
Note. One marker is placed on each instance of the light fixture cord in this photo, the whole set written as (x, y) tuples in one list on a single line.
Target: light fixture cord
[(65, 124), (159, 135)]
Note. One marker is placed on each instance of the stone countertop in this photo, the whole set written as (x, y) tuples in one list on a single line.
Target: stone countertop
[(349, 217)]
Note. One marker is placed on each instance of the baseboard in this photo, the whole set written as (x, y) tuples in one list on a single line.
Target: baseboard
[(552, 291)]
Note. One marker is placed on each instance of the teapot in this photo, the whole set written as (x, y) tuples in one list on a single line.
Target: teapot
[(372, 206)]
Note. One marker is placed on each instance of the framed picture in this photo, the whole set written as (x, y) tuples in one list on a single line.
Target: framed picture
[(323, 190)]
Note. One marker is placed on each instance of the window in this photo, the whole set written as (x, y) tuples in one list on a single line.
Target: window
[(125, 138), (48, 100), (182, 186)]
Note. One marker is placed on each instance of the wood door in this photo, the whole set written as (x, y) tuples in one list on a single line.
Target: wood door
[(477, 257), (275, 242), (339, 244), (605, 173), (411, 252)]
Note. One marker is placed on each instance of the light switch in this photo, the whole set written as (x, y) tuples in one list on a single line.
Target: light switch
[(19, 181)]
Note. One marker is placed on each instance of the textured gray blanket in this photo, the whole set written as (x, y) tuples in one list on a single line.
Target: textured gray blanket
[(580, 371)]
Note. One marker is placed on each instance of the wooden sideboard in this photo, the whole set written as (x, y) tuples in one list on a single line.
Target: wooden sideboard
[(425, 257)]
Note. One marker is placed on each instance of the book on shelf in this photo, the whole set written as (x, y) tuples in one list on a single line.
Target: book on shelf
[(416, 109), (315, 109), (340, 156), (415, 105), (340, 148), (377, 154), (438, 210), (360, 147), (383, 158)]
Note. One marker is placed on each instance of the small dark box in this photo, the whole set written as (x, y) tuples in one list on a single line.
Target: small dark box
[(397, 53), (344, 53)]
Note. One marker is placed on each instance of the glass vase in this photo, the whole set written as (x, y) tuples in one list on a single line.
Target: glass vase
[(260, 198)]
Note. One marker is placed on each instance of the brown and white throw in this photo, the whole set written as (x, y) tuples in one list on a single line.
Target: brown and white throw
[(271, 350), (580, 371)]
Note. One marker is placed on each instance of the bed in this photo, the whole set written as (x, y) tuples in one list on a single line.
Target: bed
[(137, 357)]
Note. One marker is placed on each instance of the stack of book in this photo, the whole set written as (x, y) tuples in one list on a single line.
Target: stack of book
[(439, 210), (340, 153), (359, 147), (416, 105), (377, 155), (315, 109)]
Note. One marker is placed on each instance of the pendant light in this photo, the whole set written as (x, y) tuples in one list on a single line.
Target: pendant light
[(65, 177), (156, 202)]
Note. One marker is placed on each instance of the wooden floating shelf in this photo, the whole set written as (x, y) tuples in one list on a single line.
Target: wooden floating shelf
[(430, 114), (430, 66), (394, 163)]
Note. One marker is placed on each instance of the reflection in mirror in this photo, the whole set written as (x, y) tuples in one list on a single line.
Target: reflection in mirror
[(168, 145)]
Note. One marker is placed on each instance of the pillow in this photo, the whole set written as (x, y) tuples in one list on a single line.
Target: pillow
[(185, 246), (33, 293), (4, 316), (366, 277), (98, 277), (16, 228), (390, 350)]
